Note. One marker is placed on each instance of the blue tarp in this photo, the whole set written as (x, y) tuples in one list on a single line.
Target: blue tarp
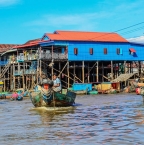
[(3, 63)]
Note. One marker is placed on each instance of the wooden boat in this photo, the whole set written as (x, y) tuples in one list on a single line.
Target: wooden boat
[(142, 91), (22, 92), (8, 95), (52, 98)]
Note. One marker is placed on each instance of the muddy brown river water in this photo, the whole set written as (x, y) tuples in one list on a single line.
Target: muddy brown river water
[(94, 120)]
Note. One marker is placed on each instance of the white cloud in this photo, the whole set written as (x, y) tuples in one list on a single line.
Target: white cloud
[(139, 39), (8, 2), (83, 21)]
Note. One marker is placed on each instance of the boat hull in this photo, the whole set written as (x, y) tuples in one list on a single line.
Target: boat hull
[(53, 99)]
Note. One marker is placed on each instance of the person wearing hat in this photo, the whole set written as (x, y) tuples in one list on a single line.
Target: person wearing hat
[(56, 83)]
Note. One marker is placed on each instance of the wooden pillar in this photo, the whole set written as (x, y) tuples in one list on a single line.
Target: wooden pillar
[(60, 68), (97, 72), (40, 67), (125, 67), (112, 69), (52, 65), (26, 82), (0, 65), (68, 75), (130, 67), (23, 75), (13, 76), (88, 74), (102, 72), (93, 75), (11, 79), (80, 73), (74, 71), (83, 77), (38, 70), (118, 70), (4, 84), (32, 84), (139, 68)]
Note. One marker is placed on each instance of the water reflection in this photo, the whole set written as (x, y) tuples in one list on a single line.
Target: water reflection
[(110, 119)]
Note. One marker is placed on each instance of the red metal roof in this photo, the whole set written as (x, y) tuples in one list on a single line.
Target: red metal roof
[(5, 47), (29, 43), (85, 36)]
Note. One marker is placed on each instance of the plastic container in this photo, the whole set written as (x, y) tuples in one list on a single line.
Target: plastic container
[(82, 87)]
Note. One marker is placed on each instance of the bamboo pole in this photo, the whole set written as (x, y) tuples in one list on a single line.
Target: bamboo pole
[(92, 67), (61, 71), (76, 77), (66, 82)]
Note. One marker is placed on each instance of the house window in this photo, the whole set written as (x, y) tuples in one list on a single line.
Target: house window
[(75, 51), (91, 51), (132, 51), (118, 51), (121, 51), (105, 50)]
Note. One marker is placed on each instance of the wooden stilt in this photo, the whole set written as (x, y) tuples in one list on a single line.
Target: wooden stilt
[(26, 86), (11, 81), (74, 71), (60, 68), (83, 77), (68, 75), (97, 74), (52, 65), (23, 80), (112, 69), (139, 68), (88, 74), (118, 70), (4, 84), (102, 72)]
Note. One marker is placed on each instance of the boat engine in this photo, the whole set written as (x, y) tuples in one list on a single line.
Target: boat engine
[(47, 84)]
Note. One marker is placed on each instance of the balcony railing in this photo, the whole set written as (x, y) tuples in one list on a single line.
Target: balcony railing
[(55, 56), (30, 71), (28, 57), (18, 73)]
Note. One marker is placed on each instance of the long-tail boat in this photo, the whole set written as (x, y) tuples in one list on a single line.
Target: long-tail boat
[(50, 99)]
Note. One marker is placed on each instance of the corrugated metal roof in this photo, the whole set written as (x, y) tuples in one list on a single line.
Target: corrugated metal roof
[(5, 47), (29, 43), (85, 36)]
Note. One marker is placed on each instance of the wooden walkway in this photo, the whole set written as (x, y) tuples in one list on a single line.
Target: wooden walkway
[(123, 77)]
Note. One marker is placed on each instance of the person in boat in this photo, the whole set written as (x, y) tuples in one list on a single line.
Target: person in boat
[(56, 83), (14, 95)]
